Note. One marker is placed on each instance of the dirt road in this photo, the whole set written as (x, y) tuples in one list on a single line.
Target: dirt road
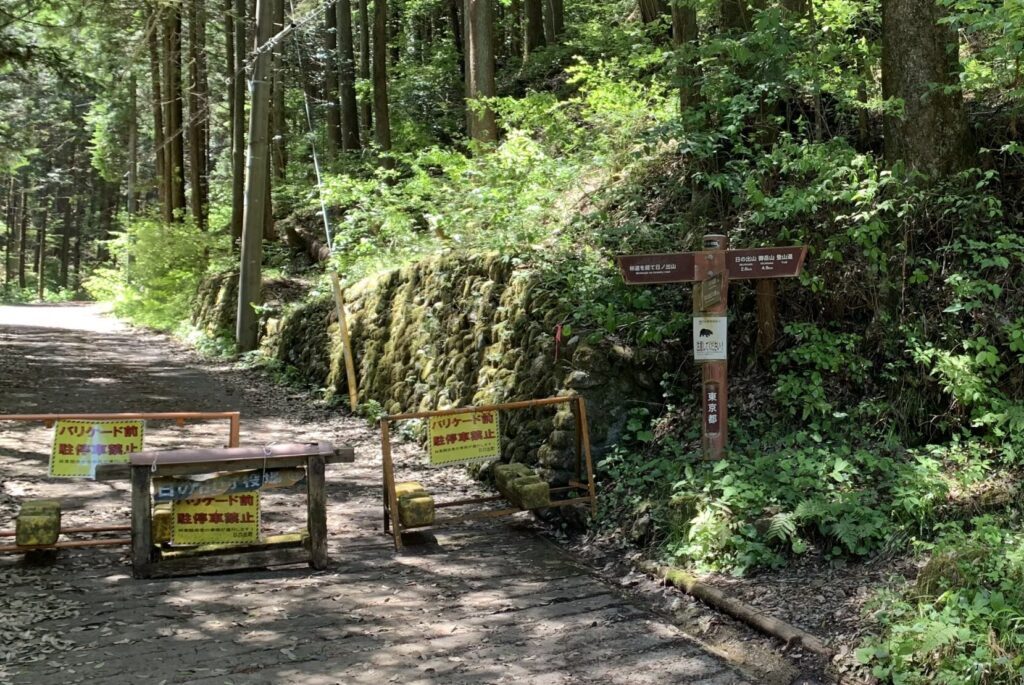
[(488, 603)]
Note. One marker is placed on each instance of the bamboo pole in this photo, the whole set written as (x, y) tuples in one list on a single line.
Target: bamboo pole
[(346, 342)]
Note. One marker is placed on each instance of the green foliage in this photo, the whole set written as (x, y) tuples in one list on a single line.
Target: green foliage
[(156, 271), (963, 624)]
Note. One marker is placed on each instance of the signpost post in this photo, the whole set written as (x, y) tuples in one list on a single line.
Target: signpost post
[(710, 270)]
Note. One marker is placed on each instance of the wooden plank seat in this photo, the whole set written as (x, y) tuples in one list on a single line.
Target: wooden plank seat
[(151, 559)]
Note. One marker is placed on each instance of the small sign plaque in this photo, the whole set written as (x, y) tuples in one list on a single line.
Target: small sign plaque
[(657, 268), (711, 292), (766, 262), (709, 338)]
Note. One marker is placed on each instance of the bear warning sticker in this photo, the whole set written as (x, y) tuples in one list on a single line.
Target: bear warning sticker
[(709, 338)]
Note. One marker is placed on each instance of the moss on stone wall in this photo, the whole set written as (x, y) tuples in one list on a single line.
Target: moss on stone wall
[(456, 331)]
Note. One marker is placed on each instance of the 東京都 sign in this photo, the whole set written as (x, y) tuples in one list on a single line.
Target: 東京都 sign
[(465, 438)]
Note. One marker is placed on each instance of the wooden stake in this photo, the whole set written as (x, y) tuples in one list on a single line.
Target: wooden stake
[(346, 342)]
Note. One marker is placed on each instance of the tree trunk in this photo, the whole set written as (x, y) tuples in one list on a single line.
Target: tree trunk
[(737, 16), (160, 151), (23, 238), (279, 124), (534, 25), (480, 68), (238, 122), (652, 10), (41, 256), (549, 22), (347, 77), (364, 64), (11, 220), (77, 251), (65, 241), (198, 106), (558, 15), (394, 31), (684, 36), (133, 150), (381, 115), (920, 66), (250, 276), (331, 71), (173, 116), (515, 39), (455, 20)]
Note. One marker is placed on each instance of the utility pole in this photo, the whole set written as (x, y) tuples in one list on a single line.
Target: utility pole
[(250, 275)]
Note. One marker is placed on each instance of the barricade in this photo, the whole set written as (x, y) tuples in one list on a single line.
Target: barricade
[(150, 559), (180, 418), (415, 499)]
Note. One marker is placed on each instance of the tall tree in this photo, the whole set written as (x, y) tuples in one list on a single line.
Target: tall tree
[(250, 275), (534, 11), (381, 113), (133, 144), (684, 36), (920, 68), (156, 88), (11, 219), (198, 111), (23, 237), (173, 115), (41, 255), (480, 69), (237, 82), (364, 64), (331, 70), (347, 77)]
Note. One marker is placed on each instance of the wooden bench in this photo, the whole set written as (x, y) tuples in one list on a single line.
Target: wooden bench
[(150, 560), (576, 492)]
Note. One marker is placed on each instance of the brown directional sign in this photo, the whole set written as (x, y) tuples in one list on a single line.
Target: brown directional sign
[(765, 262), (657, 268), (712, 268)]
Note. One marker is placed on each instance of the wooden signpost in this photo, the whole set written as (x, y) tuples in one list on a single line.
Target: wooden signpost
[(711, 270)]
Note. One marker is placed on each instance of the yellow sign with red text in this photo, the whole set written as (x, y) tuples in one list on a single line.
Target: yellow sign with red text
[(225, 519), (78, 446), (464, 438)]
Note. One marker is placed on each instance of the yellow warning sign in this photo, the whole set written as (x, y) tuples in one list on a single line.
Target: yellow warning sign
[(217, 520), (464, 438), (78, 446)]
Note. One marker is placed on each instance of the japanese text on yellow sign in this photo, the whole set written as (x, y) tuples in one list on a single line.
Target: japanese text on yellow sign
[(217, 520), (464, 438), (78, 446)]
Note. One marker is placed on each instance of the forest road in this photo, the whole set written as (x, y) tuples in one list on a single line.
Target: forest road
[(484, 603)]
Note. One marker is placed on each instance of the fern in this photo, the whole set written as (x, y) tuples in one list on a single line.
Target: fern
[(782, 527)]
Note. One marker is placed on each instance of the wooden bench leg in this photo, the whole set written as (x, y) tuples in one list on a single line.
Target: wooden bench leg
[(142, 522), (316, 513)]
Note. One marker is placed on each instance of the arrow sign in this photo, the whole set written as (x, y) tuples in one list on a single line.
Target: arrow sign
[(642, 269), (765, 262)]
